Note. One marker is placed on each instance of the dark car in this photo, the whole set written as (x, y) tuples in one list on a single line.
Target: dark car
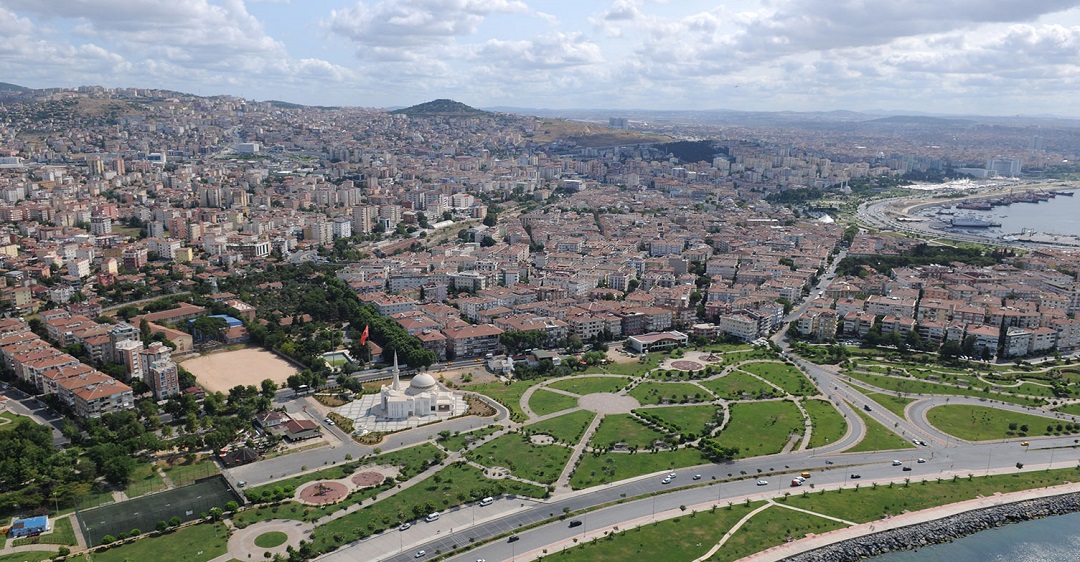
[(906, 469), (866, 407), (513, 538), (575, 523), (856, 476)]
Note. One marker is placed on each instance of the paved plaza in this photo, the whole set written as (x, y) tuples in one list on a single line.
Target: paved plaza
[(365, 413)]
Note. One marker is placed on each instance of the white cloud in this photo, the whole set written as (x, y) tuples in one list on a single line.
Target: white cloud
[(409, 23), (555, 50)]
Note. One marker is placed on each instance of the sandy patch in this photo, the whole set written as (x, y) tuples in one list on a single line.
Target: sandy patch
[(224, 370)]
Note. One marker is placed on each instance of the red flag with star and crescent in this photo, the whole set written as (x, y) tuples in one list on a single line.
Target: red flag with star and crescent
[(364, 336)]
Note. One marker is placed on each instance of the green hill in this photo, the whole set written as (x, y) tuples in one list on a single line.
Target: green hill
[(440, 108)]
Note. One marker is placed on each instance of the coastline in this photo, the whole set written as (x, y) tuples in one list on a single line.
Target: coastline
[(926, 527)]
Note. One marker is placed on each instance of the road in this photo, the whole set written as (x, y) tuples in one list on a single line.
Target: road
[(23, 404)]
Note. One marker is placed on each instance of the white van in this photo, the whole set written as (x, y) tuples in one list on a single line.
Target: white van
[(487, 501), (432, 517)]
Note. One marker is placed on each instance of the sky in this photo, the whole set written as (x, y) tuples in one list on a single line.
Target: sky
[(988, 57)]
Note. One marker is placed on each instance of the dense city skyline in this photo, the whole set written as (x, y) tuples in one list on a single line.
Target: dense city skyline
[(956, 57)]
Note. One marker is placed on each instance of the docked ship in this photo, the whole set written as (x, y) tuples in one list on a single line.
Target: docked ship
[(970, 222)]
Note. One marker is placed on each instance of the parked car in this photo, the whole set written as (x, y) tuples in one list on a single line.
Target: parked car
[(420, 554)]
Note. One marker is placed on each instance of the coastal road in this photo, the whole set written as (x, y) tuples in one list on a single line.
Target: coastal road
[(456, 527)]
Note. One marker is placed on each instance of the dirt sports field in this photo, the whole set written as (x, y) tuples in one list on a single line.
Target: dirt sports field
[(225, 369)]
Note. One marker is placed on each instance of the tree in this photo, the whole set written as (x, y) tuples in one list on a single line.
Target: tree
[(269, 388), (175, 521), (161, 526)]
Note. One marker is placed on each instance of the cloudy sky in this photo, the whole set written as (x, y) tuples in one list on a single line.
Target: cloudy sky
[(995, 57)]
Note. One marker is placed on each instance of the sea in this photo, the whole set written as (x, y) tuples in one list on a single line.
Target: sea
[(1058, 215), (1053, 539)]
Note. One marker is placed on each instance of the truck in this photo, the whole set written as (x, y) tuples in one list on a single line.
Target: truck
[(797, 481)]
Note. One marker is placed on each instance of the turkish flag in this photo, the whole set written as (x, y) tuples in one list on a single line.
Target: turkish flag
[(364, 336)]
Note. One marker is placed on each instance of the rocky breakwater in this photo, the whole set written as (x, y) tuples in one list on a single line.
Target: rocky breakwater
[(941, 530)]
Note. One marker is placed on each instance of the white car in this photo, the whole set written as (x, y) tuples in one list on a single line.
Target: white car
[(666, 481), (404, 526), (420, 554), (762, 482), (672, 475), (920, 461), (697, 477)]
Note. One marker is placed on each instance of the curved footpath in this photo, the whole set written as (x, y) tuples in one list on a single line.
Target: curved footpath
[(929, 526)]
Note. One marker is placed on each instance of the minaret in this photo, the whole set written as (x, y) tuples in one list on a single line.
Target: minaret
[(397, 381)]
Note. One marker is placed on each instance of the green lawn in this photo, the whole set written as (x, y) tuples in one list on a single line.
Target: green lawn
[(611, 467), (772, 527), (915, 386), (891, 402), (591, 385), (567, 428), (675, 540), (543, 402), (982, 423), (761, 428), (625, 428), (452, 486), (459, 441), (197, 543), (271, 539), (868, 503), (783, 375), (1073, 409), (632, 368), (538, 463), (740, 356), (828, 423), (669, 393), (8, 420), (508, 395), (735, 384), (688, 419), (182, 472), (144, 480), (877, 437)]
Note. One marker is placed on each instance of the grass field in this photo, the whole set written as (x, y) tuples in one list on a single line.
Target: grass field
[(458, 442), (774, 526), (735, 385), (828, 424), (452, 486), (877, 437), (688, 419), (669, 393), (916, 386), (271, 539), (632, 369), (1073, 409), (981, 423), (8, 420), (197, 543), (680, 539), (761, 428), (891, 402), (144, 480), (508, 395), (591, 385), (538, 463), (543, 402), (783, 375), (182, 472), (567, 428), (601, 469), (625, 428), (869, 504)]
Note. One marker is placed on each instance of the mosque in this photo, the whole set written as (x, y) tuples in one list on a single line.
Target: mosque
[(423, 397)]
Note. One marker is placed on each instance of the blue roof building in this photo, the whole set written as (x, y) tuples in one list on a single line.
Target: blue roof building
[(29, 526)]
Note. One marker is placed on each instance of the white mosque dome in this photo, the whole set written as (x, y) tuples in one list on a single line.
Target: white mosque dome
[(423, 381)]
